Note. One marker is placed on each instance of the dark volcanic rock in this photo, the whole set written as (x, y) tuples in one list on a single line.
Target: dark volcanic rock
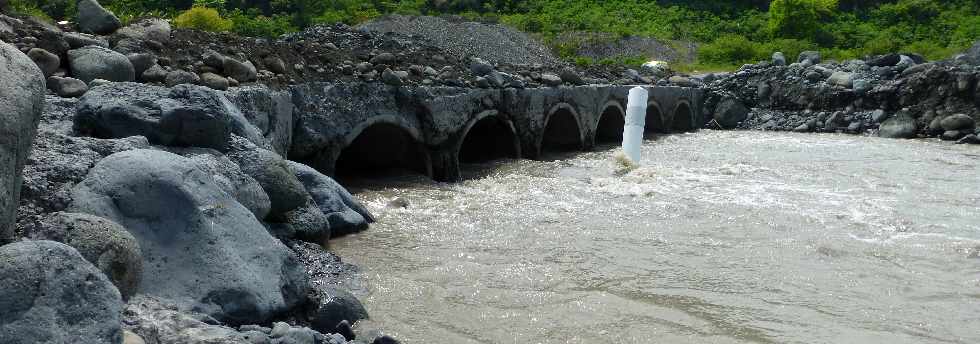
[(103, 243), (901, 127), (345, 214), (51, 295), (958, 122), (201, 248), (94, 62), (93, 18), (335, 306), (730, 112), (22, 90), (45, 60), (185, 115), (67, 87)]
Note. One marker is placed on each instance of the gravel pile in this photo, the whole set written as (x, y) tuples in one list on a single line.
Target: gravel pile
[(491, 42)]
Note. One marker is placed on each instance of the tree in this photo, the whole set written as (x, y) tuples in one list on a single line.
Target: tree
[(799, 18)]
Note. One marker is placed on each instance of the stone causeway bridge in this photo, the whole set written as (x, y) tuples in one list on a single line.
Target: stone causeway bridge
[(359, 128)]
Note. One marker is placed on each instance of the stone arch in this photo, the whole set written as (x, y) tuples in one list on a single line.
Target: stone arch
[(682, 119), (562, 131), (609, 127), (654, 119), (383, 145), (488, 136)]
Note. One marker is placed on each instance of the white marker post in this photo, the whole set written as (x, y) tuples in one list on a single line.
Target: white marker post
[(636, 111)]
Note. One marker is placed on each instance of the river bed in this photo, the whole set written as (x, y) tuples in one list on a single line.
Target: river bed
[(720, 237)]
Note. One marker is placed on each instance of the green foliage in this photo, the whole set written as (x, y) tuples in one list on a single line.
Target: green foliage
[(46, 10), (202, 18), (253, 24), (799, 18)]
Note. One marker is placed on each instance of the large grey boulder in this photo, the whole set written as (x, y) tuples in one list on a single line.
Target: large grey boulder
[(958, 122), (201, 247), (94, 62), (900, 127), (778, 59), (51, 295), (345, 214), (153, 29), (730, 112), (185, 115), (21, 100), (93, 18), (269, 111), (272, 173), (103, 243), (813, 57), (230, 178)]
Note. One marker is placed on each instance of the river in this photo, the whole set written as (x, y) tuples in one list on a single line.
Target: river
[(720, 237)]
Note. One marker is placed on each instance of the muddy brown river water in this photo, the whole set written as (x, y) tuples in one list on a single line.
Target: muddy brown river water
[(720, 237)]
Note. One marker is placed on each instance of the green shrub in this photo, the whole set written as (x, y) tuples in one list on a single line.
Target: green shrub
[(731, 49), (799, 18), (202, 18), (253, 24)]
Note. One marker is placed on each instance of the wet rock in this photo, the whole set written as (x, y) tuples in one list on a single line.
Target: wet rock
[(958, 122), (146, 29), (181, 77), (103, 243), (241, 71), (95, 62), (201, 248), (879, 116), (813, 57), (182, 116), (385, 339), (952, 135), (51, 294), (778, 59), (22, 89), (335, 306), (214, 81), (46, 61), (969, 139), (344, 329), (159, 321), (345, 214), (901, 127), (730, 112), (855, 127), (67, 87), (93, 18)]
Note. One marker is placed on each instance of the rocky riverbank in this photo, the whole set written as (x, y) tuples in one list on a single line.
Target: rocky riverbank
[(895, 95)]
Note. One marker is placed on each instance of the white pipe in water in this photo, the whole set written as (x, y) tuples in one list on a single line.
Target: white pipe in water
[(636, 111)]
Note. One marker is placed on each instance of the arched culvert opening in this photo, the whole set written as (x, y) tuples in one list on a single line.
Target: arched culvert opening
[(610, 127), (382, 149), (490, 138), (561, 133), (654, 121), (683, 119)]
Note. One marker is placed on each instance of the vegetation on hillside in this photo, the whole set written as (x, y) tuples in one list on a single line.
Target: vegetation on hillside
[(730, 32)]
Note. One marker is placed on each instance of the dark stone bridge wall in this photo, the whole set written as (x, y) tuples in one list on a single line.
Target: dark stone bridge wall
[(433, 123)]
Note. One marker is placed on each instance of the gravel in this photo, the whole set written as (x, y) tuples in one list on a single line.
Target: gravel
[(491, 42)]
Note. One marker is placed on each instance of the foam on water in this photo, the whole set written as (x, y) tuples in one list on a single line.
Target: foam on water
[(719, 237)]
